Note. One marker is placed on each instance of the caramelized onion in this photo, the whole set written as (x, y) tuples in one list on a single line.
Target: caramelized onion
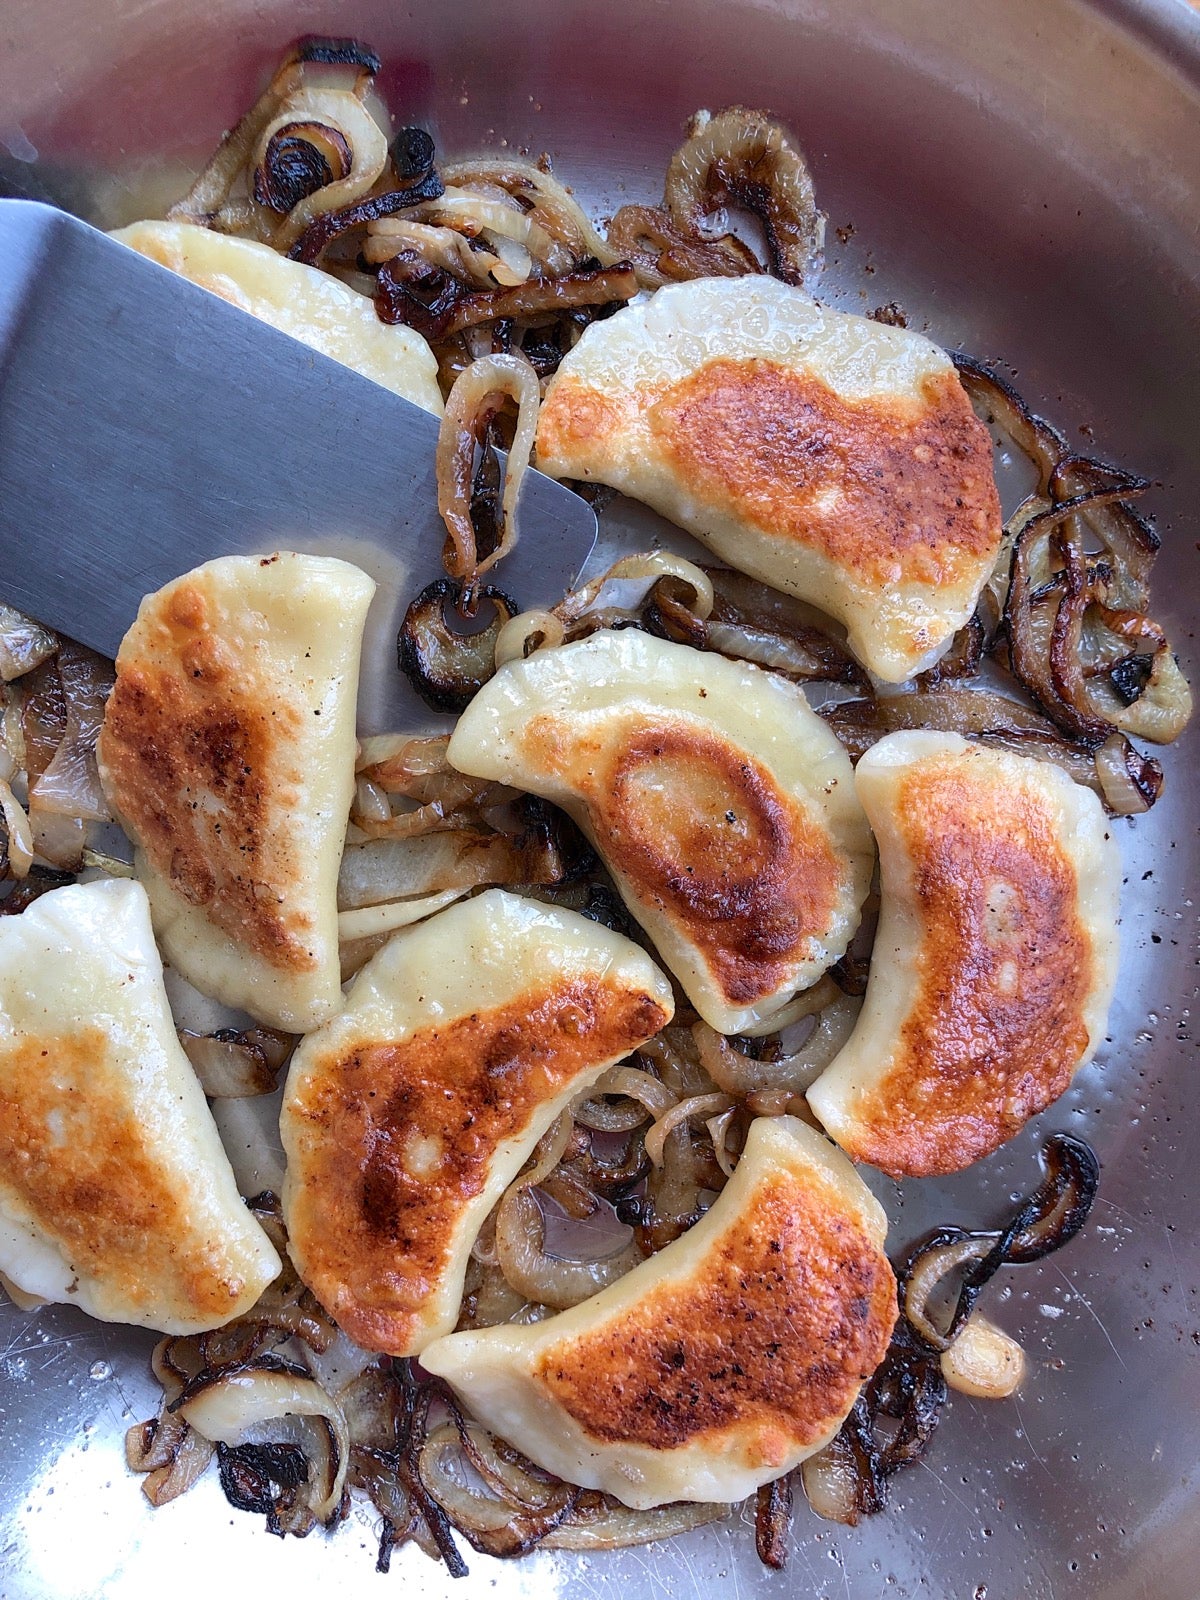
[(983, 1361), (398, 869), (743, 158), (598, 1522), (738, 1073), (447, 667), (550, 1280), (502, 1517), (772, 1522), (552, 205), (298, 159), (69, 786), (660, 251), (472, 402), (228, 1406), (237, 1065), (323, 230), (16, 847), (700, 1105), (171, 1454), (749, 622), (897, 1412), (452, 311)]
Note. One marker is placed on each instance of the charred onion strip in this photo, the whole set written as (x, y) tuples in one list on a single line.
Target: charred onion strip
[(444, 307), (446, 667), (997, 401), (661, 252), (849, 1478), (323, 230), (773, 1522)]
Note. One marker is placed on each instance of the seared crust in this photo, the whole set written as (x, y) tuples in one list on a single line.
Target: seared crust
[(791, 1311), (892, 490), (399, 1136), (703, 831), (819, 452), (189, 718), (75, 1152), (994, 960), (718, 1363), (996, 1027)]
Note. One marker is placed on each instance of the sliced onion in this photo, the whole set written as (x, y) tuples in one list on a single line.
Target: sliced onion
[(553, 206), (549, 1280), (172, 1455), (441, 308), (70, 785), (701, 1106), (744, 158), (831, 1482), (739, 1074), (444, 249), (997, 401), (661, 251), (773, 1522), (237, 1065), (1129, 782), (474, 214), (601, 1523), (805, 1004), (474, 392), (933, 1266), (298, 158), (368, 921), (983, 1361), (446, 666), (229, 1407), (24, 644), (499, 1518), (16, 854), (650, 1096)]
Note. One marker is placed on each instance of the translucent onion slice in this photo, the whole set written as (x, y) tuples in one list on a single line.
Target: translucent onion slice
[(983, 1361), (228, 1407), (603, 1524), (370, 920), (473, 393), (16, 854)]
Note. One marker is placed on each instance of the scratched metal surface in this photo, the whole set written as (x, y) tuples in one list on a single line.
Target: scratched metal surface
[(976, 176)]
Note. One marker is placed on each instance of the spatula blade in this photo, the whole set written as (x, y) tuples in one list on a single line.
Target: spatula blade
[(146, 425)]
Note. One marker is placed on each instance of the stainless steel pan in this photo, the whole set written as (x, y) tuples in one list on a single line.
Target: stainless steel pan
[(1024, 179)]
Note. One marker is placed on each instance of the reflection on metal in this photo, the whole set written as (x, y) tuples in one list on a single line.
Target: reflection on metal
[(989, 196)]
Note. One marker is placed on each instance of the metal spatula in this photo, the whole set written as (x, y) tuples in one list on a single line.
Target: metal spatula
[(146, 425)]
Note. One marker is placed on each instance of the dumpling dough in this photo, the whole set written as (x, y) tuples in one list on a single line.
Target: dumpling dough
[(719, 1363), (406, 1118), (228, 753), (307, 303), (995, 958), (823, 453), (115, 1193), (722, 806)]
